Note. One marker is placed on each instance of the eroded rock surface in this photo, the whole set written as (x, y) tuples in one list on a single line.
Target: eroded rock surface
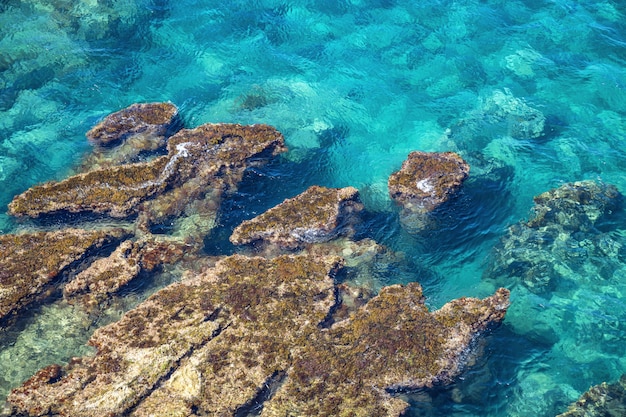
[(252, 330), (201, 163), (604, 400), (30, 262), (563, 241), (424, 182), (317, 215)]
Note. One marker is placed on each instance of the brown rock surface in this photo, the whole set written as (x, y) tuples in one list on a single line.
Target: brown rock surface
[(604, 400), (150, 120), (31, 262), (200, 163), (319, 214), (220, 342), (426, 180)]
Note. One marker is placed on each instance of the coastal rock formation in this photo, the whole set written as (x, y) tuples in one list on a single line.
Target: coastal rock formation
[(251, 332), (317, 215), (31, 262), (151, 120), (604, 400), (425, 181), (562, 241), (201, 163)]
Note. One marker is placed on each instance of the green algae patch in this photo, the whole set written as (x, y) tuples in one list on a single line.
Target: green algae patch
[(30, 262), (317, 215), (248, 333)]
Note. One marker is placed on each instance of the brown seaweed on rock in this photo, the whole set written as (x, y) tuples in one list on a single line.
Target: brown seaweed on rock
[(214, 342), (604, 400)]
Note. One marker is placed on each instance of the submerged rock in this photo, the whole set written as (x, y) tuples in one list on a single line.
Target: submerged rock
[(31, 262), (150, 120), (251, 333), (200, 163), (425, 181), (561, 242), (317, 215), (604, 400)]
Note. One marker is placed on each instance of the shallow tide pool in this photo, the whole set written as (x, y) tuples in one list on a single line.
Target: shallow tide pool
[(532, 94)]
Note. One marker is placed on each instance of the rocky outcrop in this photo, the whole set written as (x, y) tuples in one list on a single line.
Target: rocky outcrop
[(201, 163), (424, 182), (251, 333), (31, 262), (317, 215), (604, 400), (563, 240), (150, 120)]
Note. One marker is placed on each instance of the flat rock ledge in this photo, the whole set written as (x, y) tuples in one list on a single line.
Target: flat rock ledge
[(147, 119), (317, 215), (604, 400), (252, 333), (426, 180), (200, 165), (31, 262)]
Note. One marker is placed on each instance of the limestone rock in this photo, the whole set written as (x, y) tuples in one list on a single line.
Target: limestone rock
[(31, 262), (150, 120), (424, 182), (604, 400), (201, 163), (105, 276), (319, 214), (561, 242), (252, 332)]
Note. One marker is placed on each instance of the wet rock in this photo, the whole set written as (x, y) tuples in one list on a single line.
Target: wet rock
[(425, 181), (149, 120), (249, 334), (562, 241), (31, 262), (317, 215), (106, 276), (604, 400), (201, 163)]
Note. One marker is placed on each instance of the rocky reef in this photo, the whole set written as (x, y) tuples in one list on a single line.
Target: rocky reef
[(604, 400), (562, 239), (209, 344), (317, 215), (278, 333), (30, 263), (424, 182)]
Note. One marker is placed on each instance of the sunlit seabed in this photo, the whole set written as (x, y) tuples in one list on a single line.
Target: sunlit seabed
[(355, 86)]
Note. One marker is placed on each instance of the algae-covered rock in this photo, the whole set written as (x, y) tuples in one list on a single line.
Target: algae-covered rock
[(251, 333), (210, 157), (105, 276), (604, 400), (319, 214), (563, 240), (150, 120), (30, 262), (424, 182)]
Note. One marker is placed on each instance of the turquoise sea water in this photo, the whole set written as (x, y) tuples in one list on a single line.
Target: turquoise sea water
[(355, 86)]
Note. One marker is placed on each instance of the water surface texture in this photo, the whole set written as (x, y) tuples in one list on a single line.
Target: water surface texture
[(531, 93)]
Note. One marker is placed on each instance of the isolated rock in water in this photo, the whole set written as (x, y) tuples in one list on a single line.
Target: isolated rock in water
[(199, 162), (150, 120), (251, 333), (424, 182), (604, 400), (562, 241), (30, 263), (317, 215)]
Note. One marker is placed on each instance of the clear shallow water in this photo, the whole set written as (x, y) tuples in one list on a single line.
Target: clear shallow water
[(355, 86)]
